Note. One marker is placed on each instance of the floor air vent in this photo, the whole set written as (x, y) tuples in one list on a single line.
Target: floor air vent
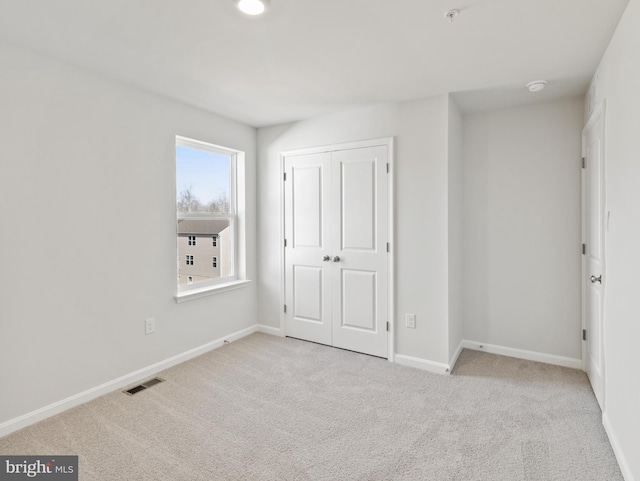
[(143, 386)]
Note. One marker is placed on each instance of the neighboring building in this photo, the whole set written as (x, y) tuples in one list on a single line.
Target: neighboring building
[(204, 248)]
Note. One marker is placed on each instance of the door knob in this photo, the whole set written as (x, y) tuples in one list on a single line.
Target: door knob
[(326, 258), (336, 258), (595, 279)]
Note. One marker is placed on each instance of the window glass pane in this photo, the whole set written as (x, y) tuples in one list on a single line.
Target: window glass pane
[(198, 256), (203, 181)]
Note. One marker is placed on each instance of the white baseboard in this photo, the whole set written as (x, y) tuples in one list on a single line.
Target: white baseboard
[(129, 379), (615, 445), (456, 355), (274, 331), (522, 354), (431, 366)]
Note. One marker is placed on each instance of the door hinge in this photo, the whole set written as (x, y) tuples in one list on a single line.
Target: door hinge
[(387, 326), (284, 176), (584, 163), (388, 247), (285, 242), (584, 249), (387, 167), (285, 308), (584, 334)]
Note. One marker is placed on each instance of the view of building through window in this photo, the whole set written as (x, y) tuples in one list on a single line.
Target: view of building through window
[(205, 210), (197, 258)]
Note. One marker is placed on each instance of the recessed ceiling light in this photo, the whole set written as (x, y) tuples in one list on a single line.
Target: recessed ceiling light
[(253, 7), (537, 85)]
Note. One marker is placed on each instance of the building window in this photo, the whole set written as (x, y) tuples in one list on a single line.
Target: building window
[(206, 205)]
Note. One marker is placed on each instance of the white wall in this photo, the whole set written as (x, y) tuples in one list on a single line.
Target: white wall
[(87, 202), (421, 211), (618, 78), (522, 227), (456, 229), (422, 229)]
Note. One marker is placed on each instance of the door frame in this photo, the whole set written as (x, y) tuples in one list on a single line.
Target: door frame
[(390, 144), (598, 112)]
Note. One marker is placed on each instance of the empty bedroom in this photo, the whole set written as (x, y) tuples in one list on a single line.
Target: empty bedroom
[(336, 240)]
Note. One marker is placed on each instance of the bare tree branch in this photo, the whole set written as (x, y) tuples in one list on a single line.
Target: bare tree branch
[(187, 201)]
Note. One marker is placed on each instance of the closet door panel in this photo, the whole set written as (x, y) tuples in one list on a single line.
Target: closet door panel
[(307, 207), (360, 292)]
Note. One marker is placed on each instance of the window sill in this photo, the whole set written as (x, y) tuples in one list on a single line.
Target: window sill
[(209, 290)]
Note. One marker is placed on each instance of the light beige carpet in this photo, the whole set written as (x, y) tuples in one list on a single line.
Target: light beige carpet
[(266, 408)]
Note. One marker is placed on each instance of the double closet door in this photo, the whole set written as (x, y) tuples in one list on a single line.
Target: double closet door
[(336, 248)]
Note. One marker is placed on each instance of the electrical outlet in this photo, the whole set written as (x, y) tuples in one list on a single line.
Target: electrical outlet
[(410, 320), (150, 325)]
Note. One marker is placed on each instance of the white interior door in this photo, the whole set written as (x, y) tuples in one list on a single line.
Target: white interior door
[(360, 277), (336, 260), (594, 266), (307, 282)]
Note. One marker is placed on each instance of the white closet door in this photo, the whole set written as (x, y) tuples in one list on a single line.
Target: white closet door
[(336, 260), (360, 276), (307, 288)]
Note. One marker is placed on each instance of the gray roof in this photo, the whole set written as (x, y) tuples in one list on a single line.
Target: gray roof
[(201, 226)]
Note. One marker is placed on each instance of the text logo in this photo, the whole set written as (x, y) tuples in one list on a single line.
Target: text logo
[(49, 468)]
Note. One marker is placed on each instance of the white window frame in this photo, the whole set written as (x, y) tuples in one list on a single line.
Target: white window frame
[(236, 226), (190, 241), (214, 262)]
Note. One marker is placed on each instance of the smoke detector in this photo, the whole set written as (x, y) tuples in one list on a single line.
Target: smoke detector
[(451, 14), (537, 85)]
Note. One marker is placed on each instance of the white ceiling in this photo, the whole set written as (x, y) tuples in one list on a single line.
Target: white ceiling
[(306, 58)]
